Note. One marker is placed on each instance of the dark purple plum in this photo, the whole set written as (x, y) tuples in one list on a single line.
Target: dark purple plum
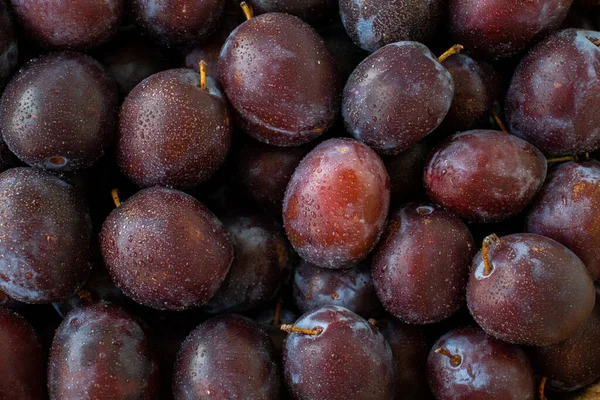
[(344, 357), (166, 250), (73, 24), (374, 23), (281, 80), (468, 364), (396, 96), (572, 363), (130, 58), (568, 210), (336, 204), (500, 28), (262, 172), (529, 289), (227, 357), (102, 352), (9, 55), (421, 266), (22, 361), (485, 176), (410, 347), (476, 86), (346, 54), (316, 287), (59, 112), (315, 12), (51, 218), (177, 22), (172, 132), (262, 263), (554, 94)]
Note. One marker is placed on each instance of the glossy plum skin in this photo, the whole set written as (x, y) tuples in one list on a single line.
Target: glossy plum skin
[(261, 265), (73, 24), (538, 293), (396, 96), (489, 368), (130, 58), (101, 352), (352, 288), (499, 29), (567, 210), (51, 217), (177, 22), (59, 112), (476, 86), (410, 347), (315, 12), (262, 172), (171, 132), (420, 268), (485, 176), (572, 363), (336, 204), (278, 53), (166, 250), (227, 357), (374, 23), (9, 54), (348, 359), (554, 94), (22, 363)]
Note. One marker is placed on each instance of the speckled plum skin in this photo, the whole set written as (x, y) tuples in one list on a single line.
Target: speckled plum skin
[(262, 172), (336, 204), (279, 53), (51, 217), (314, 12), (166, 250), (101, 352), (352, 288), (538, 293), (374, 23), (227, 357), (485, 176), (8, 45), (171, 132), (22, 360), (410, 348), (567, 210), (59, 112), (177, 22), (572, 363), (72, 24), (489, 369), (396, 96), (262, 263), (500, 28), (554, 94), (421, 266), (476, 86), (348, 359)]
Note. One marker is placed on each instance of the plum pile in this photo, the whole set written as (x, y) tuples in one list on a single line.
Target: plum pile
[(299, 199)]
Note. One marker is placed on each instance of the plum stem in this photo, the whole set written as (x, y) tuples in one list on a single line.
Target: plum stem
[(499, 121), (487, 242), (85, 295), (202, 69), (542, 388), (115, 196), (278, 307), (455, 359), (295, 329), (595, 42), (457, 48), (247, 9), (561, 159)]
